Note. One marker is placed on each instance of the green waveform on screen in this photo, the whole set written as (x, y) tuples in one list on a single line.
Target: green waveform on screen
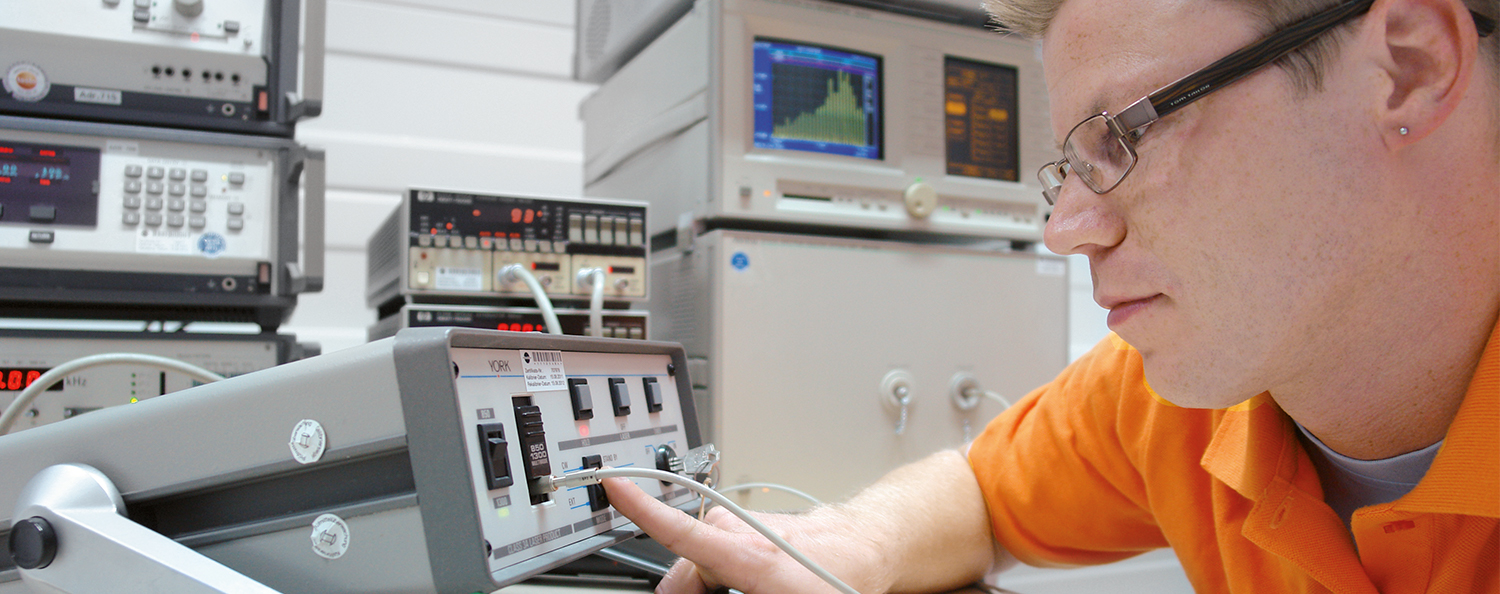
[(839, 119)]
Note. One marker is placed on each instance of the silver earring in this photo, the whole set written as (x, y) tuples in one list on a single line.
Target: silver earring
[(1403, 131)]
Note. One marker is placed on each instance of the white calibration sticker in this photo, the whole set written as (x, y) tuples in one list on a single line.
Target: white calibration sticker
[(330, 536), (459, 279), (308, 441), (544, 370), (157, 241)]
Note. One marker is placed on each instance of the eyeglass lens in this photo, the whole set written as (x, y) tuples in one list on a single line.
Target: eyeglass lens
[(1097, 155)]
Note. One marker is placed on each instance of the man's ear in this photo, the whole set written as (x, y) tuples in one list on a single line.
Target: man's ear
[(1427, 50)]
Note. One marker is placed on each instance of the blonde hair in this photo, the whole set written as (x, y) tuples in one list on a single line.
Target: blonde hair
[(1031, 18)]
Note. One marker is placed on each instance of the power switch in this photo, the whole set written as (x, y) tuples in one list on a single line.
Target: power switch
[(494, 452), (598, 498), (653, 395), (619, 394), (583, 402)]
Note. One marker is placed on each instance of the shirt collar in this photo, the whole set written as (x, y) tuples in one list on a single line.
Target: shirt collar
[(1255, 443)]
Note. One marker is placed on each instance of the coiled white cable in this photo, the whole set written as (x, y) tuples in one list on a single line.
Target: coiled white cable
[(594, 476), (56, 374), (594, 278), (514, 272)]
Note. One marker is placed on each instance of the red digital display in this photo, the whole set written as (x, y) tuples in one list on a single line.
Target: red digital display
[(15, 379)]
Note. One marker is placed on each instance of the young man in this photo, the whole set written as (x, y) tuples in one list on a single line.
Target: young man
[(1302, 267)]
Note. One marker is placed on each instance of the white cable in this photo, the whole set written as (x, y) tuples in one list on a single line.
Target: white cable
[(594, 277), (56, 374), (772, 486), (515, 272), (594, 476), (997, 397)]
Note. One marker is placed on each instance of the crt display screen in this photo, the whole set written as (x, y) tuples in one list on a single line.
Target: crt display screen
[(818, 99), (979, 106)]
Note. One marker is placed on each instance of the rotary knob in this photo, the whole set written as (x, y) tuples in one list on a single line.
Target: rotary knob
[(33, 543), (189, 8), (921, 199)]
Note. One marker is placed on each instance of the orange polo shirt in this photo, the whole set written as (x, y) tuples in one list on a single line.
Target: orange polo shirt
[(1092, 468)]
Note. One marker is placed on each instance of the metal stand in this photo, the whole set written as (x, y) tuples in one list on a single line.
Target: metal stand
[(71, 535)]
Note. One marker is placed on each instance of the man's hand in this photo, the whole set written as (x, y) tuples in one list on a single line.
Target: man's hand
[(921, 528), (733, 554)]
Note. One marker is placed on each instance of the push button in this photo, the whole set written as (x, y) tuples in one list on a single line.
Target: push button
[(619, 395), (41, 213), (41, 237), (583, 401), (653, 395)]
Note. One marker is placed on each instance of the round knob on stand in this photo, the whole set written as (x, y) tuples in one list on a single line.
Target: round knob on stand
[(33, 543)]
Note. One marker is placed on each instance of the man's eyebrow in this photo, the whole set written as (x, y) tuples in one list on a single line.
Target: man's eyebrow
[(1096, 109)]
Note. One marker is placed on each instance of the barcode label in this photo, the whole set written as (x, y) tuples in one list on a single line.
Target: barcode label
[(544, 370), (546, 356)]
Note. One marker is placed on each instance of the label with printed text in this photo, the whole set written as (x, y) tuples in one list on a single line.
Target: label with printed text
[(544, 370)]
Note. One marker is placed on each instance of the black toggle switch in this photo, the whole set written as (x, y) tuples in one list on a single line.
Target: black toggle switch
[(494, 452), (598, 497)]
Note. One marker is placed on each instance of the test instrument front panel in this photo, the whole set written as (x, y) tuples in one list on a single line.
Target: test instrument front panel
[(617, 323), (228, 65), (123, 214), (26, 354), (451, 245), (425, 447), (794, 113), (849, 320)]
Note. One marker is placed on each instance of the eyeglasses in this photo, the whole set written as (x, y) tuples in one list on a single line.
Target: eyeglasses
[(1100, 150)]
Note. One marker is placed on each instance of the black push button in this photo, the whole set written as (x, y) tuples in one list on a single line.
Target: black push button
[(653, 395), (494, 452), (619, 394), (583, 401), (41, 237), (598, 497), (41, 213)]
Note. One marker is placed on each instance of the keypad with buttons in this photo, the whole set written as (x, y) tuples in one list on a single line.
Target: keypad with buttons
[(193, 198)]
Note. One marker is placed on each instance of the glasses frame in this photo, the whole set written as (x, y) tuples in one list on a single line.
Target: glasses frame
[(1130, 124)]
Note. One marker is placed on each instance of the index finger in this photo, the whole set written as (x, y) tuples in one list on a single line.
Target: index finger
[(673, 528)]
